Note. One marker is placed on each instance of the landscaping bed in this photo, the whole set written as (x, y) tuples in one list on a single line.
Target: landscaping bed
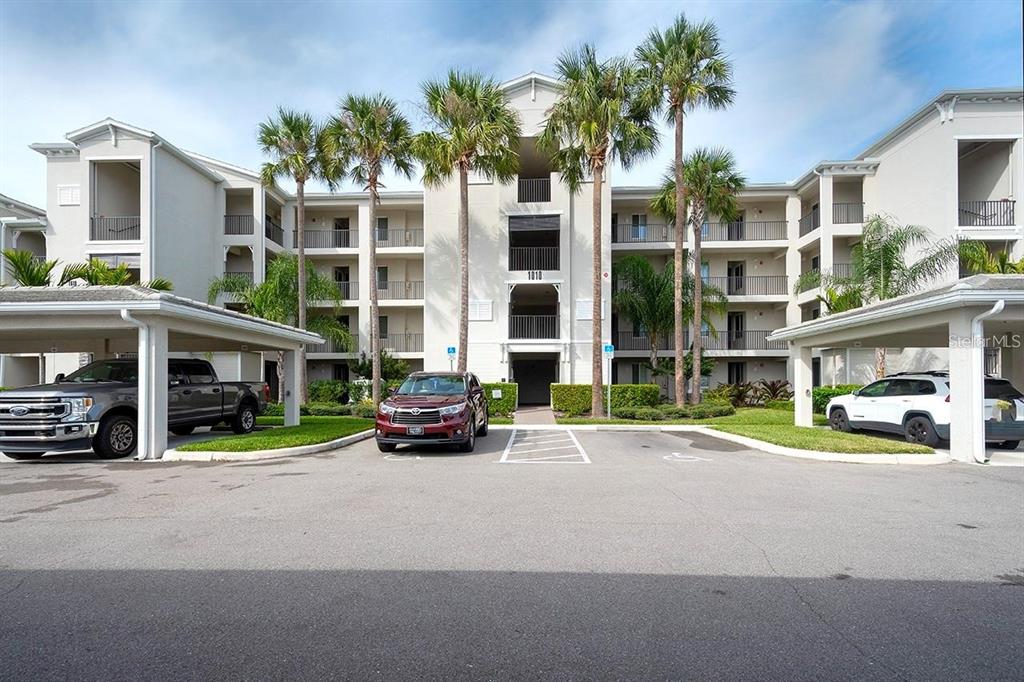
[(742, 416), (821, 440), (312, 431)]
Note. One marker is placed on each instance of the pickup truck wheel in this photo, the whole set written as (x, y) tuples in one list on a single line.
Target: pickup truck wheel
[(24, 455), (115, 438), (182, 430), (469, 443), (1005, 445), (839, 420), (920, 430), (245, 420)]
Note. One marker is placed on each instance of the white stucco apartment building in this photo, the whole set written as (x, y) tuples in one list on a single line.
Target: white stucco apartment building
[(125, 194)]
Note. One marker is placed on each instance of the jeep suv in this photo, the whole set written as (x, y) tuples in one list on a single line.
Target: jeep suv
[(916, 405), (433, 408)]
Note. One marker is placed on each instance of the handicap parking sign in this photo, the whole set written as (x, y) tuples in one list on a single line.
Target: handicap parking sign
[(451, 350), (609, 349)]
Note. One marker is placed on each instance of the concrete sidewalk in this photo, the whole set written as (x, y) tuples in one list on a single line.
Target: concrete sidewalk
[(534, 414)]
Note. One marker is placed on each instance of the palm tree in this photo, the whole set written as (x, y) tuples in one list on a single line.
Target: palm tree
[(599, 117), (977, 259), (474, 128), (366, 136), (684, 68), (292, 140), (27, 269), (712, 186), (276, 298), (646, 297)]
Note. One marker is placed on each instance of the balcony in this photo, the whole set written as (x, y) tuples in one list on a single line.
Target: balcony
[(402, 290), (349, 291), (638, 341), (328, 346), (725, 340), (847, 213), (532, 258), (534, 190), (753, 285), (810, 222), (239, 224), (388, 238), (326, 239), (411, 342), (272, 230), (115, 228), (760, 230), (986, 213), (646, 233), (246, 275), (533, 326)]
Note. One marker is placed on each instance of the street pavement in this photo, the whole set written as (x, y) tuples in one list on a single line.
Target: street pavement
[(611, 556)]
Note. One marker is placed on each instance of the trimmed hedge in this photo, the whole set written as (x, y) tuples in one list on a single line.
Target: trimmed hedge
[(327, 391), (506, 404), (822, 394), (647, 414), (574, 399), (780, 405), (310, 410), (364, 409), (710, 409)]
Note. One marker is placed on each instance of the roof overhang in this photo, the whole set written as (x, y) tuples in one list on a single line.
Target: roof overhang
[(531, 78), (11, 204)]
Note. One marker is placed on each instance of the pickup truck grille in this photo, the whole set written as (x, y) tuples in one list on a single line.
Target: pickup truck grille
[(403, 416), (14, 410)]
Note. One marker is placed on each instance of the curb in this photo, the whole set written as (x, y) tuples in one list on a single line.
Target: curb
[(218, 456)]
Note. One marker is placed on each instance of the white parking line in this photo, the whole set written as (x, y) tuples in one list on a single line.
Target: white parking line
[(523, 443)]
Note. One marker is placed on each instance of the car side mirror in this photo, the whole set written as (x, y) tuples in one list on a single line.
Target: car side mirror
[(857, 392), (393, 390), (59, 378)]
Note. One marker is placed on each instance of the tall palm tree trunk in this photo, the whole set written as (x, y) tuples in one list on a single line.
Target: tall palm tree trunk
[(879, 363), (463, 266), (698, 312), (596, 359), (680, 237), (374, 306), (300, 231)]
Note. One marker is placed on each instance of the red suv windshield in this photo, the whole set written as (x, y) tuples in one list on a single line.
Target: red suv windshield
[(430, 384)]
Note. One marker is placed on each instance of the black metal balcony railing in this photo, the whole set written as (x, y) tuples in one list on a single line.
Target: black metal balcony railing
[(986, 213), (532, 258), (752, 339), (533, 326), (755, 339), (533, 190), (398, 237), (810, 222), (115, 228), (750, 285), (239, 224), (758, 230), (399, 290), (328, 346), (811, 279), (639, 341), (349, 291), (239, 274), (642, 234), (846, 213), (326, 239), (402, 343), (272, 230), (842, 269)]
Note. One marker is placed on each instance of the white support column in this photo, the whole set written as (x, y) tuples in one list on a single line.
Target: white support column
[(290, 390), (152, 400), (967, 394), (792, 258), (802, 385), (827, 229)]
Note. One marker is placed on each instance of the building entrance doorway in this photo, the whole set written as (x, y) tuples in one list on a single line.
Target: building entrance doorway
[(535, 372)]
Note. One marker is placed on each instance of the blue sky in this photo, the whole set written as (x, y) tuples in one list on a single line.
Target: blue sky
[(815, 80)]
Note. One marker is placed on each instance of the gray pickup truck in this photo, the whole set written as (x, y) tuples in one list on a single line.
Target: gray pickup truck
[(95, 407)]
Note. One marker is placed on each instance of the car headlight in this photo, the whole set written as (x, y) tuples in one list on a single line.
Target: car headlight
[(79, 409), (452, 409), (384, 408)]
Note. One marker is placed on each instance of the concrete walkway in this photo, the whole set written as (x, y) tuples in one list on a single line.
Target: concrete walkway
[(534, 414)]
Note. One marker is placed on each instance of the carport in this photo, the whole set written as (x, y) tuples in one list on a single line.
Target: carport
[(106, 321), (963, 316)]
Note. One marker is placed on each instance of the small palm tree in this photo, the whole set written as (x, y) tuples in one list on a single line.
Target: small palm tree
[(99, 273), (977, 259), (292, 140), (27, 269), (474, 128), (713, 184), (684, 68), (599, 117), (368, 135), (276, 298)]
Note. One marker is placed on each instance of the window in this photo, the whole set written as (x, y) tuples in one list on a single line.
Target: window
[(69, 195), (439, 384), (1001, 389), (105, 370), (341, 273), (382, 229), (199, 373), (480, 310), (875, 390), (345, 322), (341, 233), (382, 277), (584, 309), (383, 324), (900, 387), (176, 373), (705, 272), (339, 371), (815, 263), (638, 231), (737, 372)]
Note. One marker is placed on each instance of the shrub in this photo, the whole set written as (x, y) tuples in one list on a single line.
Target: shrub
[(506, 404), (649, 414), (574, 399), (822, 394), (744, 395), (709, 410), (274, 410), (364, 409), (327, 391), (779, 405), (722, 393), (776, 389), (325, 410), (674, 411)]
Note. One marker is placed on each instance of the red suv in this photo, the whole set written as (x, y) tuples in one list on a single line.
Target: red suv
[(433, 408)]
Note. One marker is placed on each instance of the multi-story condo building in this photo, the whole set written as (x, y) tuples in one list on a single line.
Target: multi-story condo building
[(125, 194)]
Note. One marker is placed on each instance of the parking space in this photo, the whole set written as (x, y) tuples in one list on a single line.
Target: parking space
[(543, 447)]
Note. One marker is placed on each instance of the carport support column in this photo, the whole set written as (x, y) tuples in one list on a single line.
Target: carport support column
[(803, 406), (290, 393), (967, 392), (152, 417)]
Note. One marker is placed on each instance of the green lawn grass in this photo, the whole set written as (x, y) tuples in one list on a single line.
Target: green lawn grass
[(744, 415), (823, 440), (311, 431), (501, 421)]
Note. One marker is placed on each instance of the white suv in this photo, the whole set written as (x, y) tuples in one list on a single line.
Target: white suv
[(916, 405)]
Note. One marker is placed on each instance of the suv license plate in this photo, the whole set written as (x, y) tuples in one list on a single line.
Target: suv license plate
[(415, 430)]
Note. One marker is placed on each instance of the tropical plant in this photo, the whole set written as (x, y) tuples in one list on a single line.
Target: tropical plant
[(27, 269), (473, 128), (292, 140), (667, 367), (976, 258), (276, 298), (599, 117), (683, 69), (366, 136), (391, 368), (773, 389), (713, 184)]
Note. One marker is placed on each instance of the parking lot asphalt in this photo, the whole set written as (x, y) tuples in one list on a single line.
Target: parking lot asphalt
[(633, 555)]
